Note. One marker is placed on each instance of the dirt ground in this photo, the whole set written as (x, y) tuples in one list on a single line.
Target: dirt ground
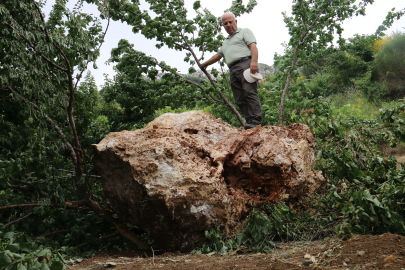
[(385, 251), (398, 153)]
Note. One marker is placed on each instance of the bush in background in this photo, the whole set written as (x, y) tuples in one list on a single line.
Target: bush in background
[(390, 65)]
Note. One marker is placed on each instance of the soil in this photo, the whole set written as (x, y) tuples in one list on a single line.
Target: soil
[(385, 251), (398, 153)]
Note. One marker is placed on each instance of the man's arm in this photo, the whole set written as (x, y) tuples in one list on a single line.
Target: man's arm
[(255, 56), (211, 61)]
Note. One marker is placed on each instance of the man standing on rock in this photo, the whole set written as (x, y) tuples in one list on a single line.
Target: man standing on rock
[(241, 55)]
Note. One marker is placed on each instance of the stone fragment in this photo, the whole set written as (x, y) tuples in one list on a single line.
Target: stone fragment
[(185, 173)]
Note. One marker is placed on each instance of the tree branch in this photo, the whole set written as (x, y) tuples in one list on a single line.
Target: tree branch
[(29, 188), (19, 205), (19, 219), (121, 227), (98, 49), (225, 100), (177, 74)]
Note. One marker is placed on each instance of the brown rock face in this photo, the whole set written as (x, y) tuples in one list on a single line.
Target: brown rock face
[(185, 173)]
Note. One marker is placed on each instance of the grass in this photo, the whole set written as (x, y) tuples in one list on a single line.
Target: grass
[(353, 103)]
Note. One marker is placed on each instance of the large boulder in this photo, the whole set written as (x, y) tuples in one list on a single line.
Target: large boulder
[(185, 173)]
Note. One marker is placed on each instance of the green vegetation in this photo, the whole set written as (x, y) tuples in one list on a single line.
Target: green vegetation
[(52, 207)]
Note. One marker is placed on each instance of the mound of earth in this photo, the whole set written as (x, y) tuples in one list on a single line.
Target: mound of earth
[(186, 173), (385, 251)]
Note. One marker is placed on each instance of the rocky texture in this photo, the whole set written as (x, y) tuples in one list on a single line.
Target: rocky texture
[(185, 173)]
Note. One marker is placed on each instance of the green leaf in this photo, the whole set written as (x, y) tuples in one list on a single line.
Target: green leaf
[(56, 265), (45, 253), (25, 247), (20, 266), (9, 235), (13, 247), (196, 5), (45, 267), (4, 258)]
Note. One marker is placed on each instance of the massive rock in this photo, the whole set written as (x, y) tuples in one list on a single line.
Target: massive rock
[(185, 173)]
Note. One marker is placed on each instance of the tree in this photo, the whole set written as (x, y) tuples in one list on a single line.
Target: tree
[(312, 27), (172, 27), (42, 161)]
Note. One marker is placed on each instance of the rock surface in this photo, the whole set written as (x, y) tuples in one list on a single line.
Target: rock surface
[(185, 173)]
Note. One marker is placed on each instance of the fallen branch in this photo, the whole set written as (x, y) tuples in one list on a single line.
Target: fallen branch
[(19, 205), (121, 227), (19, 219), (29, 188)]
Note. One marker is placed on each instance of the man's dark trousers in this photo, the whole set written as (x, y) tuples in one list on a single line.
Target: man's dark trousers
[(245, 94)]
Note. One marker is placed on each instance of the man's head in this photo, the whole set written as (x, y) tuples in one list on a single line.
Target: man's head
[(229, 23)]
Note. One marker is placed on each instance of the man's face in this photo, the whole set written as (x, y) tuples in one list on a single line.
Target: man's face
[(229, 23)]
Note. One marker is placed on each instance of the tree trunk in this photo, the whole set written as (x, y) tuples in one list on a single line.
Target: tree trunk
[(280, 119)]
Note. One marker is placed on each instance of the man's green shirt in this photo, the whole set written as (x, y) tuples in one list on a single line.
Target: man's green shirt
[(236, 46)]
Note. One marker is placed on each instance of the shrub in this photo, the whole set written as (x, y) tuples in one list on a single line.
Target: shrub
[(321, 84), (362, 46), (373, 90), (378, 44), (390, 65)]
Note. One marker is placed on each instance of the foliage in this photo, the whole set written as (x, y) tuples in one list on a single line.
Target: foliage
[(51, 198), (312, 27), (19, 252), (270, 224), (45, 115), (390, 65), (379, 43), (365, 194), (361, 46), (189, 35)]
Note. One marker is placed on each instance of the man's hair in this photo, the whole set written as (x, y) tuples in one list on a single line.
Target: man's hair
[(228, 13)]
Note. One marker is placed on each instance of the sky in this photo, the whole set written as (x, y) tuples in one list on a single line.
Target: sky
[(266, 22)]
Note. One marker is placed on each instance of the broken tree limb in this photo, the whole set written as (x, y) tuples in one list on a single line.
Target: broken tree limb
[(19, 219), (121, 227)]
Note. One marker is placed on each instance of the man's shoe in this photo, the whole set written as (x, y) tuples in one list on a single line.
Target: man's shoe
[(249, 126)]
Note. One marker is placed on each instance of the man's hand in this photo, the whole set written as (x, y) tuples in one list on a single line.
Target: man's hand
[(211, 61), (253, 67), (255, 55)]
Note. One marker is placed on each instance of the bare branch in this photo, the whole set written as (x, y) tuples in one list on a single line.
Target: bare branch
[(178, 75), (19, 219), (19, 205), (121, 227), (71, 99), (29, 188)]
